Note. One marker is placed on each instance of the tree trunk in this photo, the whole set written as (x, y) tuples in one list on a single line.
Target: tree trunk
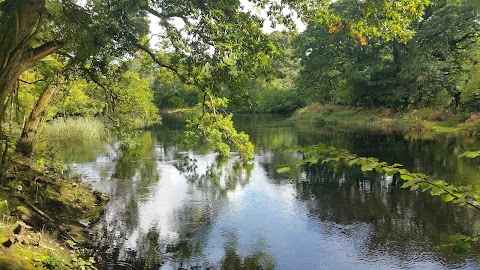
[(29, 134), (19, 20)]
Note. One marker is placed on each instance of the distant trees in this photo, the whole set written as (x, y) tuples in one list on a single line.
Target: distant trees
[(430, 69)]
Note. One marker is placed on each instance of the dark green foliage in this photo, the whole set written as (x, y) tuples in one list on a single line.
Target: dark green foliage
[(171, 92), (427, 70)]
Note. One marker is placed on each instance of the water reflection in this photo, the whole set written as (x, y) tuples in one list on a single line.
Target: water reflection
[(174, 209), (217, 178)]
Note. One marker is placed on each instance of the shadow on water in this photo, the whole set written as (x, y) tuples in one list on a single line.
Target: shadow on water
[(178, 209)]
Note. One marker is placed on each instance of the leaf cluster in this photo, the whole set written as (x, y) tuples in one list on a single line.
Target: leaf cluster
[(462, 195), (217, 130)]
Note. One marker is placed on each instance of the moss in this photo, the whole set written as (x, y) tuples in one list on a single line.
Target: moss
[(53, 204), (20, 256)]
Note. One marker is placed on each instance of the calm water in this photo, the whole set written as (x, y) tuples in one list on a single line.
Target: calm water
[(175, 209)]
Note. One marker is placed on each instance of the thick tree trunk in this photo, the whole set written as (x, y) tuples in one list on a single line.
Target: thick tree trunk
[(19, 20), (29, 134)]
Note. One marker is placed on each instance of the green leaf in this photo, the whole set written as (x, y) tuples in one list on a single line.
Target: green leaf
[(448, 197), (352, 162), (389, 172), (406, 177), (283, 169), (470, 154), (436, 191), (458, 237), (368, 167), (311, 160), (407, 184)]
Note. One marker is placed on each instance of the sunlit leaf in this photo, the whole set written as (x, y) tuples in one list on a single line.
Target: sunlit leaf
[(406, 177), (470, 154), (284, 169), (448, 197)]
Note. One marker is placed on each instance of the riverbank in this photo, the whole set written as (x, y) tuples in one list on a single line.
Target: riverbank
[(424, 121), (45, 217)]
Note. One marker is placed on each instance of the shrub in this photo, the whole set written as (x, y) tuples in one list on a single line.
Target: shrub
[(471, 127)]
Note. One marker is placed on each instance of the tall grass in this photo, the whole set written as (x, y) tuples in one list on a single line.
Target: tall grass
[(76, 129)]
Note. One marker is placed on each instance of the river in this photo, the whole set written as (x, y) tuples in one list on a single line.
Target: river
[(184, 209)]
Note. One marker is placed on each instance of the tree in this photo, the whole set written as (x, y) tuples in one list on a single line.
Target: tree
[(219, 45), (431, 64)]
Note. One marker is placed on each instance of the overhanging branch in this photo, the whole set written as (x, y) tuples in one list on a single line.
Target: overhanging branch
[(159, 62)]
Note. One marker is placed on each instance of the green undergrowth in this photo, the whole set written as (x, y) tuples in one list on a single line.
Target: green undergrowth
[(57, 207), (413, 122)]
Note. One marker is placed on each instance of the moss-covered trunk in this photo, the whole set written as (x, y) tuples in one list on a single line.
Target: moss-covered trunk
[(29, 134), (19, 23)]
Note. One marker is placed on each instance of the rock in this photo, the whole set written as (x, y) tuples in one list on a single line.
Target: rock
[(21, 235), (101, 197)]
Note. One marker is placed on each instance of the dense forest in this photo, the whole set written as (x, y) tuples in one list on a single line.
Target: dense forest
[(88, 70)]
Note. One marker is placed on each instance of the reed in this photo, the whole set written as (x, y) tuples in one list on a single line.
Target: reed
[(76, 129)]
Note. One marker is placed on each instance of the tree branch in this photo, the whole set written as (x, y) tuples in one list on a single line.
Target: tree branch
[(34, 82), (162, 15), (162, 64), (40, 52)]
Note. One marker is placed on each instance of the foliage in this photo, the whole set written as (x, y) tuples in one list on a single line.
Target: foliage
[(468, 196), (275, 92), (77, 260), (427, 70), (214, 45), (386, 19), (471, 127), (132, 97), (170, 92), (471, 87), (77, 98), (216, 130), (463, 195)]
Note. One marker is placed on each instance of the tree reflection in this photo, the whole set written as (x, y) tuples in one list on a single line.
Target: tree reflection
[(166, 204), (134, 174), (401, 222), (258, 260), (219, 177)]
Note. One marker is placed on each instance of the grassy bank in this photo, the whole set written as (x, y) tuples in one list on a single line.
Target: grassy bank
[(44, 215), (418, 121)]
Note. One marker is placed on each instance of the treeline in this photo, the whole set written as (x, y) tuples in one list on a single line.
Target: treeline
[(438, 67), (96, 61)]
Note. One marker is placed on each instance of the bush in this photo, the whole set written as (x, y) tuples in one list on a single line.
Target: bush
[(471, 127)]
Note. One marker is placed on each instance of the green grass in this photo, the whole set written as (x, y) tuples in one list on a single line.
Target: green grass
[(414, 121), (74, 130)]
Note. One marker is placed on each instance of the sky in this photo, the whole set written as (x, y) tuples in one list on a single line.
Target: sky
[(267, 28)]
